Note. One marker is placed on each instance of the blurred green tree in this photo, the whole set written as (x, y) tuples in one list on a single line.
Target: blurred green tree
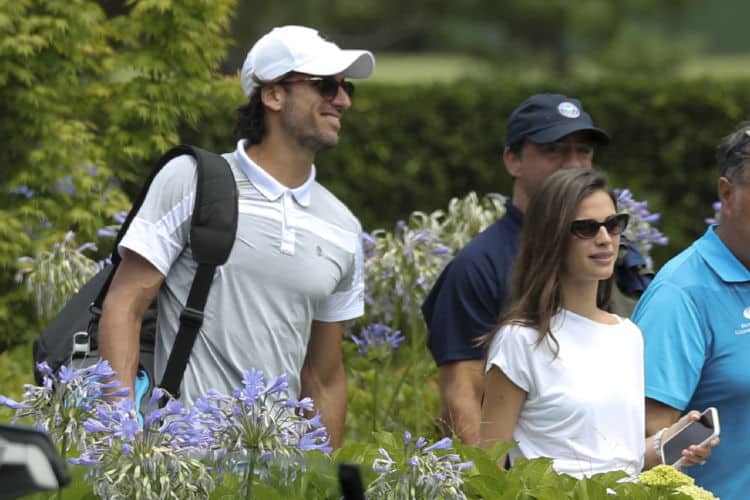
[(85, 97), (625, 35)]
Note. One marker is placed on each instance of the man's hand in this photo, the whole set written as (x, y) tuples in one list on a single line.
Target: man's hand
[(323, 377), (461, 398)]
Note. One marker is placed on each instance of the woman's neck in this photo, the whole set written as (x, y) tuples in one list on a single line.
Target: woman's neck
[(580, 297)]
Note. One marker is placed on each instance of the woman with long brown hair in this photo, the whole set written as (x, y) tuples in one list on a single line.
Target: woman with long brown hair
[(564, 377)]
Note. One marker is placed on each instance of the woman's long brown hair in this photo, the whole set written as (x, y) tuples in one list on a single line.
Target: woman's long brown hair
[(535, 291)]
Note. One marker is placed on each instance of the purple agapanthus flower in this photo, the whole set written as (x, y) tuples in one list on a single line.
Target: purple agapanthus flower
[(260, 420), (378, 340), (65, 185), (106, 232), (64, 400), (24, 191), (423, 472), (120, 217), (170, 439), (641, 228)]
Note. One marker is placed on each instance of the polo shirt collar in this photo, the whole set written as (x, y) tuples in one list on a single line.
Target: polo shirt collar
[(513, 213), (719, 258), (269, 187)]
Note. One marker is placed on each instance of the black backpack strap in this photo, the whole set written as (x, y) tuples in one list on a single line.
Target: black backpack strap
[(212, 234), (96, 305)]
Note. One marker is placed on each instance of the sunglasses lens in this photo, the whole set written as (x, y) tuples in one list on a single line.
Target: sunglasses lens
[(348, 88), (586, 228), (329, 88), (616, 224), (589, 228)]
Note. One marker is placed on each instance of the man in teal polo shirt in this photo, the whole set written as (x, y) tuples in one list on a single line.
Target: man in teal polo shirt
[(695, 318)]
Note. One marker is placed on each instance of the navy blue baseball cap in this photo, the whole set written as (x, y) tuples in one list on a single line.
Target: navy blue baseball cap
[(545, 118)]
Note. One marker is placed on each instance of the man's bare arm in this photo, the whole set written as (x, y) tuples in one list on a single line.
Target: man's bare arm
[(461, 398), (323, 377), (133, 288)]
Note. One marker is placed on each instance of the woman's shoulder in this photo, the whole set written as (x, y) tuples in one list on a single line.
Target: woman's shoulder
[(516, 331)]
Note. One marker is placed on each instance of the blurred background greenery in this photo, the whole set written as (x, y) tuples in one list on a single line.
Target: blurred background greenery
[(92, 92)]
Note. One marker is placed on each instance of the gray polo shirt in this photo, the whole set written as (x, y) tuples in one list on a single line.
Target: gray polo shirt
[(296, 258)]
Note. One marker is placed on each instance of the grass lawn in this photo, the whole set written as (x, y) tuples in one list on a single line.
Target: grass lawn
[(721, 66), (429, 68), (402, 68)]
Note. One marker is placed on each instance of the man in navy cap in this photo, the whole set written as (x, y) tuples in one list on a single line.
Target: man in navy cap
[(545, 133)]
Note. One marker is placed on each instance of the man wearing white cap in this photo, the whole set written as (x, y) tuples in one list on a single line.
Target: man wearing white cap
[(295, 272)]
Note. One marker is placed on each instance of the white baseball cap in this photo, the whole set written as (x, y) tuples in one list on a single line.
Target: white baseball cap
[(300, 49)]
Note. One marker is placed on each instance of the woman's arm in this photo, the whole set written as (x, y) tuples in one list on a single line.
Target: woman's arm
[(501, 406)]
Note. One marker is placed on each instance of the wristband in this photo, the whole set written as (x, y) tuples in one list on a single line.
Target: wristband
[(657, 444)]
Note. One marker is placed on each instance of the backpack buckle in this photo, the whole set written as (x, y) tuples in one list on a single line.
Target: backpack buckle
[(81, 345), (191, 317)]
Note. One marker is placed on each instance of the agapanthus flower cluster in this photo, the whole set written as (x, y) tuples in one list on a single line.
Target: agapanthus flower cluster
[(401, 266), (641, 229), (378, 341), (418, 471), (259, 428), (65, 400), (160, 459), (111, 230), (465, 218), (717, 214), (54, 276)]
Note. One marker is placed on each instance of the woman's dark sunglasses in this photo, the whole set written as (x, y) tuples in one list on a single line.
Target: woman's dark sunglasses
[(327, 86), (589, 228)]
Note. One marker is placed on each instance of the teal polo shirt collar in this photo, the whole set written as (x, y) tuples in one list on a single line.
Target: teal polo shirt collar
[(720, 258), (269, 187)]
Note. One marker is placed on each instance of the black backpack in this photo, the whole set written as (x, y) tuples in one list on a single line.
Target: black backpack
[(71, 336)]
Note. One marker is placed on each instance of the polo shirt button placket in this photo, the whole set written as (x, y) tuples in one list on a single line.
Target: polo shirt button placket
[(287, 226)]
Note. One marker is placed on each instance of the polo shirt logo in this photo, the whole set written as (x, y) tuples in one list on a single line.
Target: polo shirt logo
[(744, 328)]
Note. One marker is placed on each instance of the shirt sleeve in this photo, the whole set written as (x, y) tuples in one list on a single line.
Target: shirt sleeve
[(348, 301), (675, 343), (462, 306), (510, 351), (161, 228)]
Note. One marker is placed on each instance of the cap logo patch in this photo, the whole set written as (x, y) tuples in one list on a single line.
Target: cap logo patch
[(746, 313), (568, 110)]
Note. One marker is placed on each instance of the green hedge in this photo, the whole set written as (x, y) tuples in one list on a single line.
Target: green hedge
[(406, 148)]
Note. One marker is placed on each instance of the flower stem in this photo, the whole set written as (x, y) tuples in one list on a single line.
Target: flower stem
[(396, 390), (375, 396), (249, 475), (63, 447), (416, 345)]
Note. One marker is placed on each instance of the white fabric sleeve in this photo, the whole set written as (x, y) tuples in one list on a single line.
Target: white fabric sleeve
[(348, 301), (161, 228), (510, 351)]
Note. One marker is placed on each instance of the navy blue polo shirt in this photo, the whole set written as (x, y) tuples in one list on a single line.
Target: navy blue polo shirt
[(469, 294), (467, 298)]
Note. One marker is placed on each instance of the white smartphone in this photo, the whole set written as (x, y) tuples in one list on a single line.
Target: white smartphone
[(698, 432)]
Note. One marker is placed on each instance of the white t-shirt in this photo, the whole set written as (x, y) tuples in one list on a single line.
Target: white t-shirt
[(584, 409)]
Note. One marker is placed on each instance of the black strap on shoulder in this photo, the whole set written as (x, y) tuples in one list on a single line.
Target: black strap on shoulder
[(212, 233)]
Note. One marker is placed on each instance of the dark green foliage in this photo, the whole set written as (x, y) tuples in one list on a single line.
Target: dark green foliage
[(83, 98), (406, 148)]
